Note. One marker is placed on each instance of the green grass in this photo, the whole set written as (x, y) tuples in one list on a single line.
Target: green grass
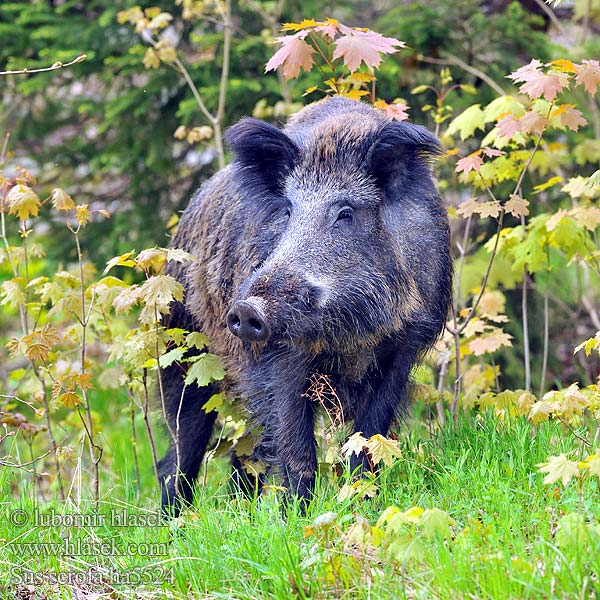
[(483, 473)]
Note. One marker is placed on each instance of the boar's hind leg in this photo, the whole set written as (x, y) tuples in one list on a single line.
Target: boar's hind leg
[(388, 399)]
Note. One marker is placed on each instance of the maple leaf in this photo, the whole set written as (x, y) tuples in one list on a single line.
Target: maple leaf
[(205, 369), (526, 72), (179, 255), (23, 202), (525, 403), (151, 60), (548, 184), (508, 126), (83, 214), (355, 445), (570, 117), (469, 207), (197, 340), (586, 216), (490, 209), (151, 258), (564, 65), (540, 411), (472, 162), (587, 74), (294, 54), (61, 200), (305, 24), (161, 290), (492, 152), (125, 301), (536, 83), (593, 463), (490, 342), (555, 219), (383, 449), (436, 522), (467, 122), (358, 46), (578, 187), (175, 355), (395, 111), (517, 206), (558, 467), (328, 27), (492, 303), (573, 402), (533, 122)]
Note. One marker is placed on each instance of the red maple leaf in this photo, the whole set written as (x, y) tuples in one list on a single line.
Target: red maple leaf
[(294, 54), (472, 162), (357, 46), (588, 75)]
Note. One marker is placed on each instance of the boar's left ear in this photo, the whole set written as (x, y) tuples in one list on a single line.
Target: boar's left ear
[(266, 153), (402, 150)]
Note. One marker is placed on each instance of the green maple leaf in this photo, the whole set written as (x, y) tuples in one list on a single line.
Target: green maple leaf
[(205, 369)]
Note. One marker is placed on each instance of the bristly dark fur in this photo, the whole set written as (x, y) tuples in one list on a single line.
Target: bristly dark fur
[(334, 227)]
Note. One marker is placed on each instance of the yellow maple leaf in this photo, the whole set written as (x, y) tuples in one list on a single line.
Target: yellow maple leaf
[(383, 449), (23, 202), (559, 467)]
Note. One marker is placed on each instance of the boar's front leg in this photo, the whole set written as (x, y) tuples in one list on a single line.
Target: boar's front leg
[(388, 399), (287, 416), (295, 447)]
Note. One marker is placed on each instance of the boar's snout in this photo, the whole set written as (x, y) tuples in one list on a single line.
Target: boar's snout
[(246, 321)]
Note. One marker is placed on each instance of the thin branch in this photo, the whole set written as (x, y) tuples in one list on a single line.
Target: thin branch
[(54, 67), (454, 60), (551, 15)]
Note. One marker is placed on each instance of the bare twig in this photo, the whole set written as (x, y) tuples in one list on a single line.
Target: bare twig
[(145, 413), (94, 449), (54, 67), (451, 59)]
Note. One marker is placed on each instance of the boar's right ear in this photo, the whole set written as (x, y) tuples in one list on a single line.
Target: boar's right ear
[(266, 153), (402, 151)]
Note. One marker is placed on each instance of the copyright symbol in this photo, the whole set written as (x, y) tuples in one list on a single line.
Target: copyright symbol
[(18, 517)]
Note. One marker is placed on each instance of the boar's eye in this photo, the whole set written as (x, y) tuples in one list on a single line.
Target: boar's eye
[(346, 216), (288, 212)]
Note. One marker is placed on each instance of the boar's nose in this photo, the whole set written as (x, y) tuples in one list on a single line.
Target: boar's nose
[(247, 322)]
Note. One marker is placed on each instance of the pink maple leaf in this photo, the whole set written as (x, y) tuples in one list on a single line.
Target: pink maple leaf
[(571, 117), (525, 73), (357, 46), (547, 85), (472, 162), (294, 54), (490, 152), (397, 111), (508, 126), (536, 83), (588, 75), (533, 122), (328, 28)]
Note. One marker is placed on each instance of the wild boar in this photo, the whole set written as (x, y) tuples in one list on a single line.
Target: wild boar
[(323, 248)]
